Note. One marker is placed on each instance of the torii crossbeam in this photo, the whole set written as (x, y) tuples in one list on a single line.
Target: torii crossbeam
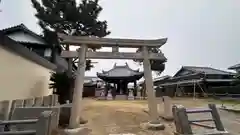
[(82, 54)]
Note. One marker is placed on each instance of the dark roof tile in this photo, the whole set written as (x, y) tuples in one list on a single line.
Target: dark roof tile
[(206, 70), (235, 66), (17, 48)]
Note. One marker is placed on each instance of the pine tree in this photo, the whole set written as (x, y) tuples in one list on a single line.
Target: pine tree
[(156, 65), (70, 18)]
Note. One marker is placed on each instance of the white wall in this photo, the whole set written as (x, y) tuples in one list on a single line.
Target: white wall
[(21, 78), (24, 37)]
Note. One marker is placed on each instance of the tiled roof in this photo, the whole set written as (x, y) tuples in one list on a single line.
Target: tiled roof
[(21, 27), (206, 70), (234, 66), (120, 71), (17, 48), (161, 78)]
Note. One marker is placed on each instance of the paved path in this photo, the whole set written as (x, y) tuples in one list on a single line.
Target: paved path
[(231, 121)]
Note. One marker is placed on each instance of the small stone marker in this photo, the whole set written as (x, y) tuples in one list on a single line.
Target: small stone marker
[(138, 95), (102, 96), (168, 115), (109, 96), (130, 96)]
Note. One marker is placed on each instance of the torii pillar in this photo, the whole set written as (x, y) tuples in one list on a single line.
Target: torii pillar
[(78, 89), (151, 98)]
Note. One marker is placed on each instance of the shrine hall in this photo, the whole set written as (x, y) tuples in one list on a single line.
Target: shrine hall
[(118, 78)]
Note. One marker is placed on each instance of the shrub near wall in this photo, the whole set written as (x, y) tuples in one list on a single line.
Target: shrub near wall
[(225, 89)]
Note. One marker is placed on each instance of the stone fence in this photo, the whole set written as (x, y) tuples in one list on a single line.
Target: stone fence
[(30, 116), (7, 106), (39, 126)]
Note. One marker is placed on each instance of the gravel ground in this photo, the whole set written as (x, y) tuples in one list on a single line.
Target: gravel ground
[(118, 117)]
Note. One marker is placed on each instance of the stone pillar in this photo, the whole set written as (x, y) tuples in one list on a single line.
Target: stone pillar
[(167, 108), (152, 103), (78, 89), (135, 89), (130, 95), (118, 88)]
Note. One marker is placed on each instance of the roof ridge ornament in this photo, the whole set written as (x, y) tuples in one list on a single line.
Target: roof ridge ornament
[(126, 64), (115, 65)]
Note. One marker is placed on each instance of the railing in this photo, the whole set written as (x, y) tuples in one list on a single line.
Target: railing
[(42, 125), (183, 124), (21, 112)]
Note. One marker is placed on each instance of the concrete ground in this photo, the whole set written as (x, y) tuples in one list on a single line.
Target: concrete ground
[(119, 117)]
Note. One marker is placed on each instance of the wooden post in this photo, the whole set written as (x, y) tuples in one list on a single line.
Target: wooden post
[(78, 90), (176, 120), (216, 117), (183, 120)]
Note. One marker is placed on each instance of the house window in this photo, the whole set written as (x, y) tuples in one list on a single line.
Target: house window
[(47, 53)]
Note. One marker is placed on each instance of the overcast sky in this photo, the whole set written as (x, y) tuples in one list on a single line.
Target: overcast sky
[(199, 32)]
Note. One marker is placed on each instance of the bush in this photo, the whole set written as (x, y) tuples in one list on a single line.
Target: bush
[(63, 84)]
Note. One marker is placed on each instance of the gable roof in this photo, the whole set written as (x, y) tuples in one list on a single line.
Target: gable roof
[(15, 47), (23, 28), (203, 70), (237, 66)]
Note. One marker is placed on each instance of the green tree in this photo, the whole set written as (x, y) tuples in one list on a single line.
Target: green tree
[(62, 83), (156, 65), (70, 18)]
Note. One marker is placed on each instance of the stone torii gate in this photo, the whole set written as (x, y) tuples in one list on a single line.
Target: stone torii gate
[(83, 54)]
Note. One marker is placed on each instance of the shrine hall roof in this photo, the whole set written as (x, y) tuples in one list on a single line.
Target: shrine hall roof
[(120, 71)]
